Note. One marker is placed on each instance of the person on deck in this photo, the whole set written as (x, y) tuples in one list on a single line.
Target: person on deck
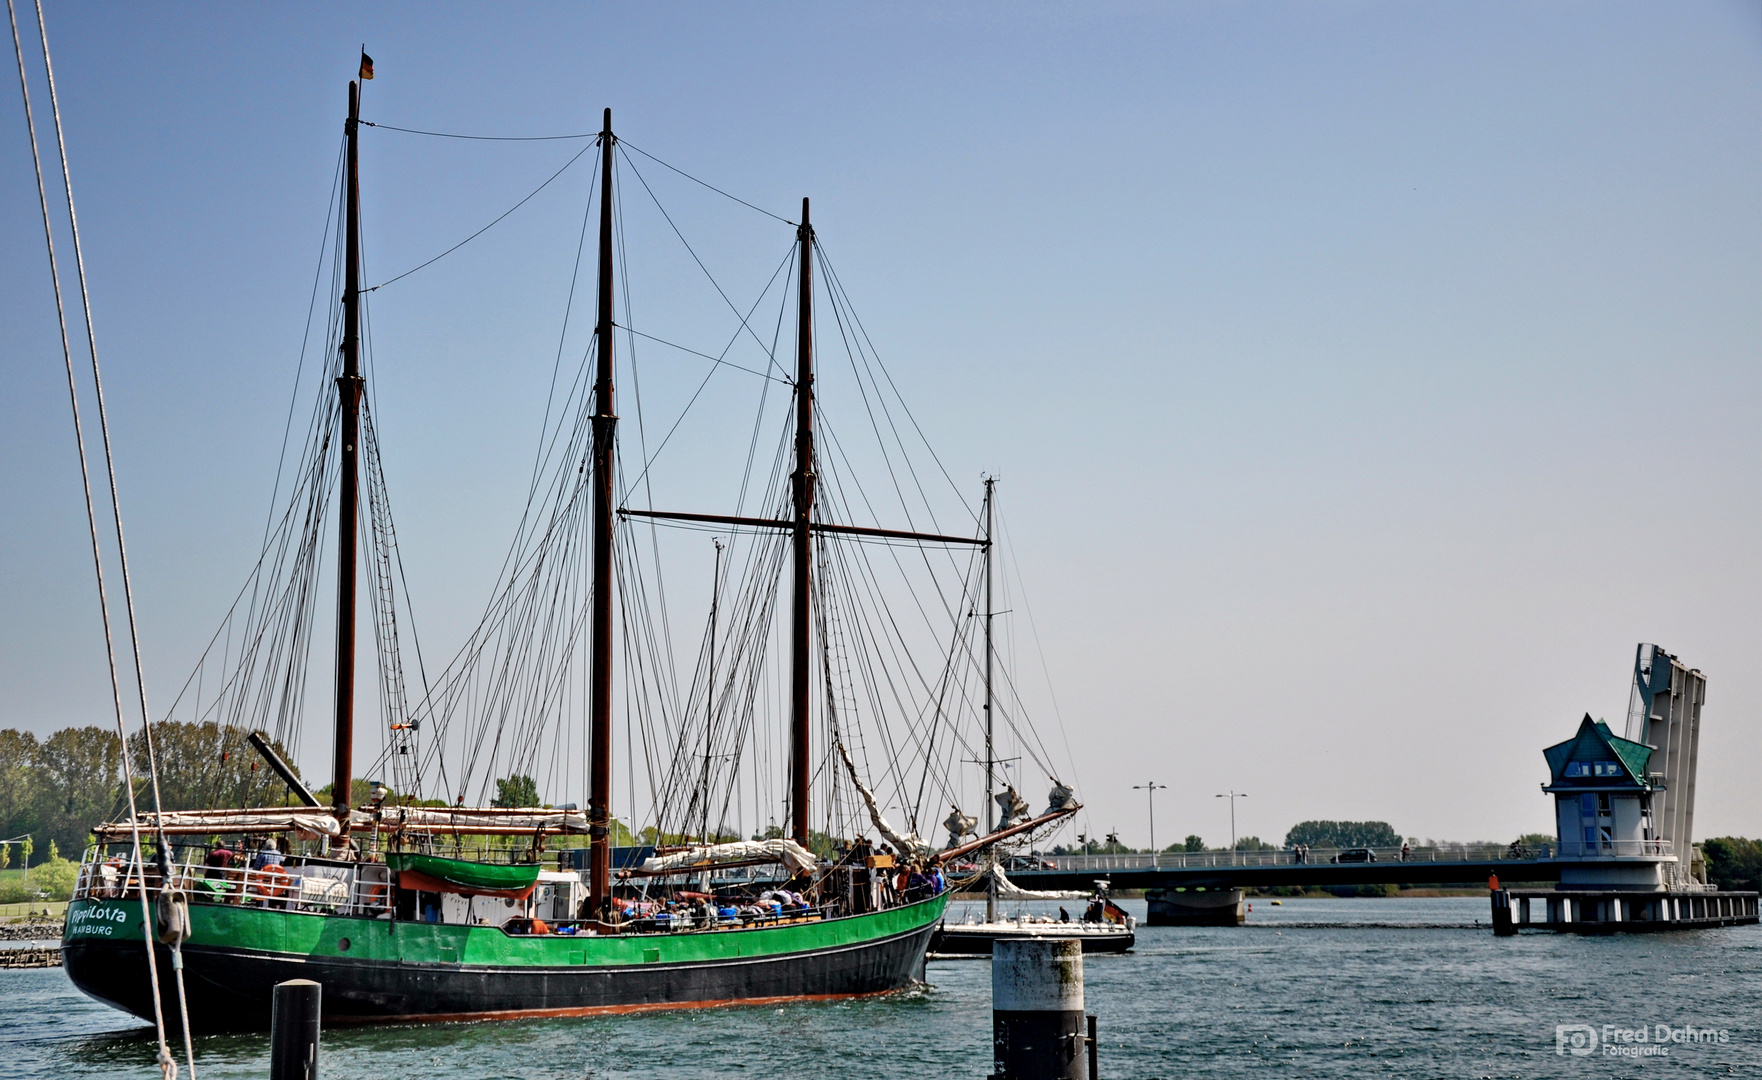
[(266, 855), (220, 859), (1063, 915)]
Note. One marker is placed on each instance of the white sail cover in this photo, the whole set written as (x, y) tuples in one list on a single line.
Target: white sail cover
[(321, 820), (791, 854), (1009, 890), (314, 821), (905, 843), (476, 818)]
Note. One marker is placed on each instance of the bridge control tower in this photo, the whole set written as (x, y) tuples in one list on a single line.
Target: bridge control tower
[(1625, 810), (1625, 804)]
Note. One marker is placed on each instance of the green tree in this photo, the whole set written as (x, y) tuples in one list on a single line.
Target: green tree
[(516, 790), (208, 766), (55, 877), (1192, 844), (1733, 863), (1343, 834), (361, 793), (1253, 843), (79, 783), (20, 784)]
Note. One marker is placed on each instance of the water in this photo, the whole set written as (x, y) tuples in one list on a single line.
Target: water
[(1315, 988)]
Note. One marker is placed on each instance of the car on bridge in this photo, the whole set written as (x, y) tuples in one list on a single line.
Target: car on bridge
[(1355, 855), (1027, 862)]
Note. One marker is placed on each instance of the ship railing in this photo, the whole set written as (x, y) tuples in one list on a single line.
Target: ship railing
[(297, 884), (687, 922)]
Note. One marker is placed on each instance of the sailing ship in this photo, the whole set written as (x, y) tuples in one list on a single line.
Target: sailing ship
[(409, 909)]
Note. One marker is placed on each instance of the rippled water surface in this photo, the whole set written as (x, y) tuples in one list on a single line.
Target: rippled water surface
[(1314, 988)]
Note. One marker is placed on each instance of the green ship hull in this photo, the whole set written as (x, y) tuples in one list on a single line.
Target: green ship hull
[(386, 970)]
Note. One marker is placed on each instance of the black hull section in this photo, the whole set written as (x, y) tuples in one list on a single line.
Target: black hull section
[(231, 989), (962, 941)]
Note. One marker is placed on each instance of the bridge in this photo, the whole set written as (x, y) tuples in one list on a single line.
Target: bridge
[(1318, 868)]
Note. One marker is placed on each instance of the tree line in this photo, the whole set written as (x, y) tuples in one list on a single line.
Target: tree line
[(58, 788)]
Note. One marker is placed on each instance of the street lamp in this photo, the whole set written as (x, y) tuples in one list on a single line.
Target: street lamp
[(1233, 796), (1149, 788)]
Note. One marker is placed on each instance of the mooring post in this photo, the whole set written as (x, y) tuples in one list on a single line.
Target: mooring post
[(1094, 1050), (293, 1030), (1502, 924), (1037, 1024)]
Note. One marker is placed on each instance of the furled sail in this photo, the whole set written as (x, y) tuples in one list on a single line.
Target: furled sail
[(959, 825), (310, 821), (1009, 890), (321, 821), (791, 854), (905, 843), (480, 819), (1014, 807)]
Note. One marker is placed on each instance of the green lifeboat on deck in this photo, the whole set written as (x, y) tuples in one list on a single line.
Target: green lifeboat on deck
[(487, 877)]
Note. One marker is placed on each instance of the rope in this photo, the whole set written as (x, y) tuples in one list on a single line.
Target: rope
[(705, 355), (712, 187), (480, 138), (582, 135), (486, 228), (167, 1064)]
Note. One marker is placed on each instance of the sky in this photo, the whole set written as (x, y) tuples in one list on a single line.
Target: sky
[(1365, 380)]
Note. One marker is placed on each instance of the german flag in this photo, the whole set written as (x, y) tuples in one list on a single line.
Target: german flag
[(366, 66)]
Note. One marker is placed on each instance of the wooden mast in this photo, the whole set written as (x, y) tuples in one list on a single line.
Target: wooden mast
[(605, 426), (800, 535), (348, 387), (990, 746)]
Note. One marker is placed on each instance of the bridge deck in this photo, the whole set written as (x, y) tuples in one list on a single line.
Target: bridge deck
[(1310, 875)]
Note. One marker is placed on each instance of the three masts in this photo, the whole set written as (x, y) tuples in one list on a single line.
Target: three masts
[(779, 955)]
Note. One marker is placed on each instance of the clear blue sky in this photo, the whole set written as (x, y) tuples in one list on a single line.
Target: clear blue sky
[(1366, 379)]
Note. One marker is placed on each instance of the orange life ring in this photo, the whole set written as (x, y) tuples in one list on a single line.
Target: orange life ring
[(269, 882)]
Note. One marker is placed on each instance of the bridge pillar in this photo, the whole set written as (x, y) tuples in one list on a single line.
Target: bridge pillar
[(1502, 925), (1194, 907)]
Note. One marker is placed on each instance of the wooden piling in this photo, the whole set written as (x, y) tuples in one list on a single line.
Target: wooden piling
[(1038, 1029)]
